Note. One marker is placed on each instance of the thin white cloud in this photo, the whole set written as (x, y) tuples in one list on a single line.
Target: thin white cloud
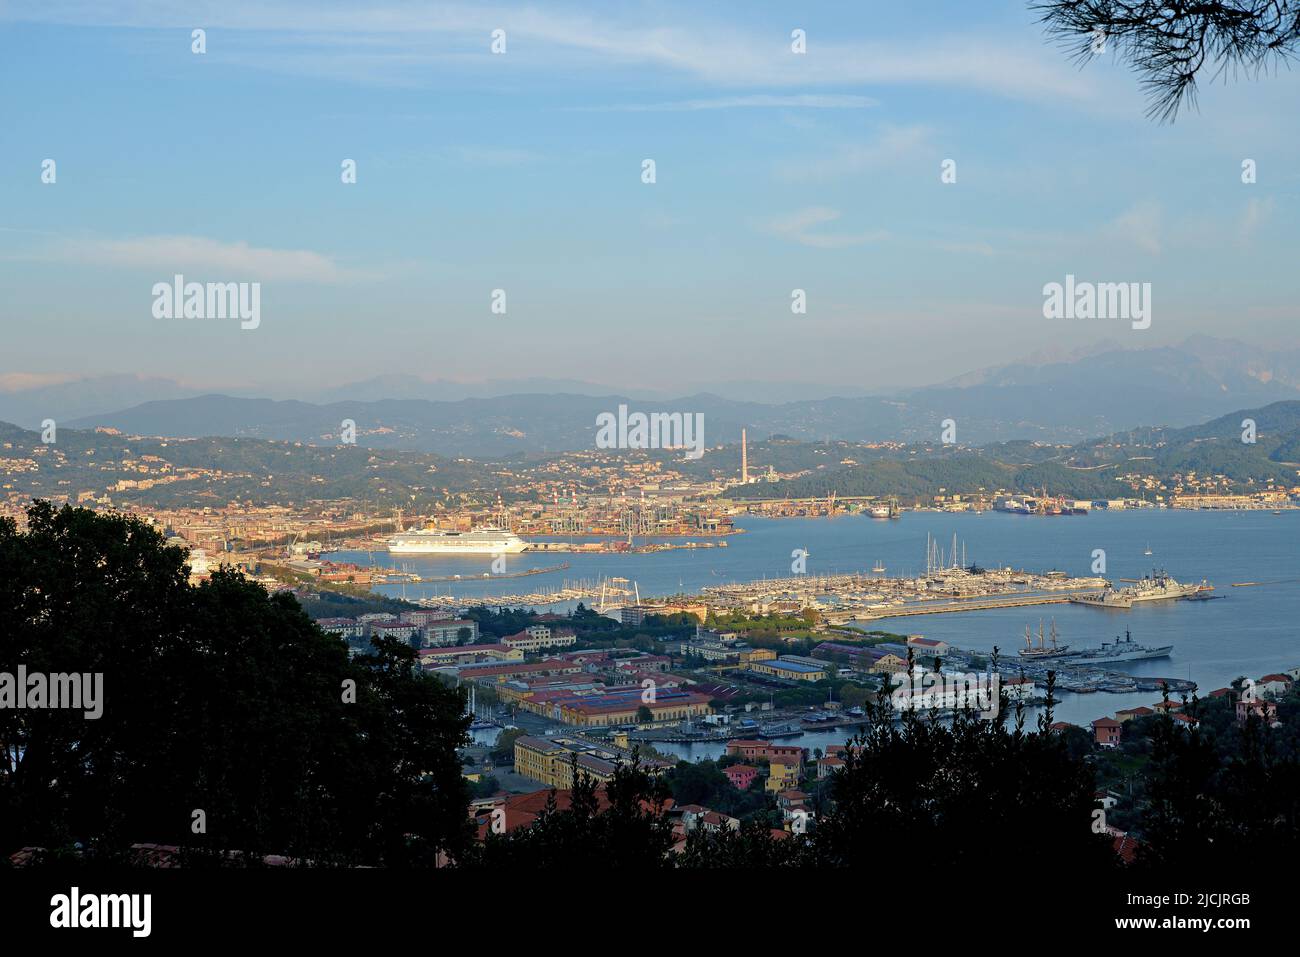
[(816, 101), (400, 43), (23, 381), (224, 261), (799, 227), (1139, 225), (1257, 212)]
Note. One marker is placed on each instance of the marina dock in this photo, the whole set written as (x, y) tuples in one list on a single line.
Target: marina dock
[(949, 607)]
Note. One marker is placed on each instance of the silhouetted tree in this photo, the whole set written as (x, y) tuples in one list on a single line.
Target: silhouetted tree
[(218, 698), (631, 831), (1170, 44)]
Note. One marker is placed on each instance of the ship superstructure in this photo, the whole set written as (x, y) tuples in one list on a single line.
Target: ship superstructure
[(480, 541), (1158, 586), (1119, 650)]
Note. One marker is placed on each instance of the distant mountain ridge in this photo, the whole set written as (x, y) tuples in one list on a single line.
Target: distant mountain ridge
[(218, 470), (1095, 391)]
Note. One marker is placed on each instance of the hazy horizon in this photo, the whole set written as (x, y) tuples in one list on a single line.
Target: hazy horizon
[(441, 389)]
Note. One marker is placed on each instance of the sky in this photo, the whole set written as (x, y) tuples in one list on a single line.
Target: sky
[(522, 171)]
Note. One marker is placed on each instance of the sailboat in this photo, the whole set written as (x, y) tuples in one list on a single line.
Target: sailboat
[(878, 567), (1042, 651), (1148, 549)]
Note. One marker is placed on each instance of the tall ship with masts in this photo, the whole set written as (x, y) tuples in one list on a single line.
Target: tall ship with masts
[(1042, 652)]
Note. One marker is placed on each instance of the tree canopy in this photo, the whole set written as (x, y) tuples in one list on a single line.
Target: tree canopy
[(231, 722), (1172, 44)]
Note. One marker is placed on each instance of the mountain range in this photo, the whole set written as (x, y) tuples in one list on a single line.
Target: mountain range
[(174, 472), (1058, 399)]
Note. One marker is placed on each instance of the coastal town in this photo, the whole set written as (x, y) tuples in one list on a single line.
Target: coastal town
[(592, 500), (469, 459), (560, 698)]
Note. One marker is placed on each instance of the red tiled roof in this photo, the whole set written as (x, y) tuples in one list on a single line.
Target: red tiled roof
[(1126, 847), (523, 809)]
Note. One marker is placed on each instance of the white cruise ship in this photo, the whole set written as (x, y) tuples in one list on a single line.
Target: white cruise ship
[(481, 541)]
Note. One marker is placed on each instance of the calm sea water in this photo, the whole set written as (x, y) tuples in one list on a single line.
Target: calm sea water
[(1251, 631)]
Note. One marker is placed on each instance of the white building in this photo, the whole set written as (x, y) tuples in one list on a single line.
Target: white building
[(439, 634), (393, 629), (537, 637), (343, 627)]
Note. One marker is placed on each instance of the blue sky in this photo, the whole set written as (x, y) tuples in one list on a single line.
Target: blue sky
[(522, 171)]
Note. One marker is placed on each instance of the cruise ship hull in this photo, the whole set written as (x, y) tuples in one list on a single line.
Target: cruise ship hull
[(430, 549), (456, 543)]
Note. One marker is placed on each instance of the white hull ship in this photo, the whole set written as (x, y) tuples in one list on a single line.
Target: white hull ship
[(481, 541)]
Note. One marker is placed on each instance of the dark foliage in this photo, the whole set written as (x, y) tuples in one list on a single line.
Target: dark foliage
[(1171, 44), (217, 698)]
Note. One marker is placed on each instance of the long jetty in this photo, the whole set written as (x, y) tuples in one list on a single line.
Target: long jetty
[(951, 607)]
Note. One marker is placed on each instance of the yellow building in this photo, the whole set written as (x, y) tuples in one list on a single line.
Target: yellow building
[(890, 664), (612, 709), (699, 611), (789, 669), (551, 762), (782, 776)]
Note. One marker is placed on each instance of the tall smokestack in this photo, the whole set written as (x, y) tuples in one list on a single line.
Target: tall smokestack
[(744, 458)]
